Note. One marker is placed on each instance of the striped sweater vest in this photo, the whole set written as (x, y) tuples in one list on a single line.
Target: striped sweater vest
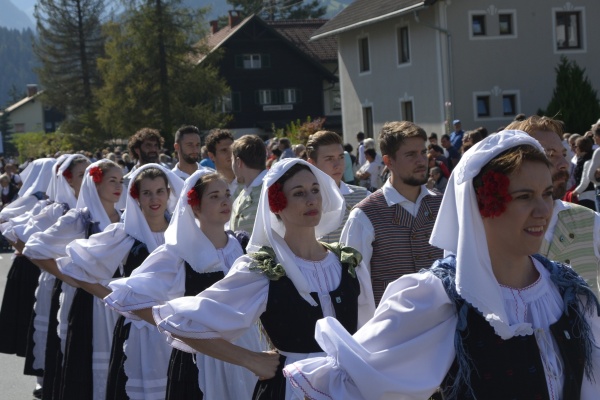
[(358, 194), (244, 210), (573, 243), (401, 245)]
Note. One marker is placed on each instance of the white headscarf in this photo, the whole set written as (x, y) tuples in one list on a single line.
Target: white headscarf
[(184, 237), (269, 231), (52, 186), (64, 191), (37, 176), (135, 222), (88, 197), (459, 229)]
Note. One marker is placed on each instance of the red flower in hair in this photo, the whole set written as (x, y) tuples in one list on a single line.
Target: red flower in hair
[(67, 174), (493, 195), (277, 200), (96, 174), (193, 198), (134, 192)]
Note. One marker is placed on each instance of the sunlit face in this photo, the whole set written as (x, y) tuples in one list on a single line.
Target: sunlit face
[(410, 162), (222, 156), (330, 159), (520, 229), (153, 196), (304, 201), (148, 151), (557, 154), (189, 148), (77, 172), (215, 204), (111, 187)]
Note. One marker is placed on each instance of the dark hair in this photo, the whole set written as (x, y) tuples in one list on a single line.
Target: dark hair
[(251, 150), (184, 130), (294, 169), (285, 142), (436, 148), (584, 144), (371, 153), (348, 147), (150, 173), (445, 136), (393, 134), (106, 164), (510, 160), (135, 141), (321, 138), (360, 136), (205, 180), (214, 137), (433, 135)]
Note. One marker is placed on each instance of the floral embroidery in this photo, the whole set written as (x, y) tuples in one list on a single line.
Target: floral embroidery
[(96, 174), (264, 262), (134, 192), (277, 200), (67, 174), (493, 195), (193, 198)]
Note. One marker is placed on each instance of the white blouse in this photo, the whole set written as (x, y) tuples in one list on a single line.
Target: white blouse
[(160, 278), (406, 350), (241, 297)]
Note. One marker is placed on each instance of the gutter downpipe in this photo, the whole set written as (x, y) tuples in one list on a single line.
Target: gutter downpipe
[(447, 109)]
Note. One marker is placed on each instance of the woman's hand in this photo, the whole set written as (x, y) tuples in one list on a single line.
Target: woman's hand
[(264, 364)]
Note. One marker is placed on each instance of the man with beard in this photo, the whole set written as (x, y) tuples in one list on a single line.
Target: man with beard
[(573, 234), (391, 227), (187, 146)]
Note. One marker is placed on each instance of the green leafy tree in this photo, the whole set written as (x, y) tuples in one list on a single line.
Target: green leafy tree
[(280, 9), (150, 72), (574, 100), (40, 144), (68, 43)]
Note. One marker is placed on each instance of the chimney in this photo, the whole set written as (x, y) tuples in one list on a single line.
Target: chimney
[(234, 18), (32, 90), (214, 26)]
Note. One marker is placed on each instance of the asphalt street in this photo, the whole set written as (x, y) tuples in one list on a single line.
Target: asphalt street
[(13, 384)]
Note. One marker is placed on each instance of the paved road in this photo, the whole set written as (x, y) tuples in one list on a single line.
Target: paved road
[(13, 384)]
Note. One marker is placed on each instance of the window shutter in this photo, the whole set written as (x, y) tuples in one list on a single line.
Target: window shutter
[(266, 60)]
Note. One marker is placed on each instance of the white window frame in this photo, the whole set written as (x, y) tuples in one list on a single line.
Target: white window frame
[(582, 28), (252, 61), (359, 52), (516, 94), (492, 12), (265, 97), (290, 96), (476, 115), (398, 61), (226, 103)]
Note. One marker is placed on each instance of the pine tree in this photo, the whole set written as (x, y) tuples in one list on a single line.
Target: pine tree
[(68, 43), (150, 77), (280, 9), (574, 100)]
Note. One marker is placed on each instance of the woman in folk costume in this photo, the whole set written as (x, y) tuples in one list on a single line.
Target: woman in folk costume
[(36, 179), (496, 321), (62, 196), (68, 363), (135, 372), (288, 280), (197, 252), (22, 278)]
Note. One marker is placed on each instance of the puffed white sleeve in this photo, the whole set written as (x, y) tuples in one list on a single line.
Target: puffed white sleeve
[(96, 259), (359, 234), (51, 243), (224, 310), (18, 207), (403, 352), (160, 278), (40, 222)]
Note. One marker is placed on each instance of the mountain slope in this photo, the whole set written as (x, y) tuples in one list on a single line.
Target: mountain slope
[(13, 17)]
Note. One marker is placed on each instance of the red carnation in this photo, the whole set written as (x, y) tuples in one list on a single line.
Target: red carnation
[(67, 174), (134, 192), (96, 174), (493, 196), (277, 200), (193, 198)]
